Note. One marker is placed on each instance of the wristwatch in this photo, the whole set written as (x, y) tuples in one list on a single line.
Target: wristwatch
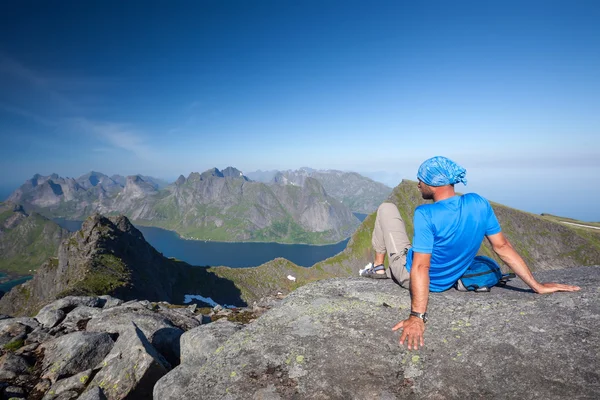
[(423, 316)]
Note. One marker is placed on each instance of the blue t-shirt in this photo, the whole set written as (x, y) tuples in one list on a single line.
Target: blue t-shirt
[(451, 230)]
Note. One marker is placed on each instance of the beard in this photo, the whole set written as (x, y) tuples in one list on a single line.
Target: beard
[(427, 195)]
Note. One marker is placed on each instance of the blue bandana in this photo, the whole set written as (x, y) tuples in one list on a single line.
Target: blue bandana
[(441, 171)]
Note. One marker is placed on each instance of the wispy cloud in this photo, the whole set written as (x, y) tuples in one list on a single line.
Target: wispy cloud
[(28, 114), (14, 70), (55, 93), (121, 136)]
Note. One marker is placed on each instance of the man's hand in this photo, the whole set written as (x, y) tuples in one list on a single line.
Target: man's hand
[(544, 288), (413, 329)]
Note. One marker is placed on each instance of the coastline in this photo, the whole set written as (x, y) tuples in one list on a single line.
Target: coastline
[(69, 224)]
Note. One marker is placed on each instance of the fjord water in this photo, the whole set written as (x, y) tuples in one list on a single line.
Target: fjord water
[(6, 285), (229, 254)]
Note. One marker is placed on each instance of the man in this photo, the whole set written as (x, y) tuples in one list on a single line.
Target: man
[(447, 236)]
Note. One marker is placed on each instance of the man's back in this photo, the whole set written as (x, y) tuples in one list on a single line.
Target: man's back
[(451, 230)]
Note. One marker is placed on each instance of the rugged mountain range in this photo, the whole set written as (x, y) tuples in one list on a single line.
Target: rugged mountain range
[(217, 205), (26, 239), (358, 193)]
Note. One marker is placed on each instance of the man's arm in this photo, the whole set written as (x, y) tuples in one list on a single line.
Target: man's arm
[(507, 253), (413, 328)]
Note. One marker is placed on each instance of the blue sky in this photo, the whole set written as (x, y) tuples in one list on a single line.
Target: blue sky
[(510, 90)]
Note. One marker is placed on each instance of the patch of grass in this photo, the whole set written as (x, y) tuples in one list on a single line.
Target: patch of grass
[(108, 273), (14, 345)]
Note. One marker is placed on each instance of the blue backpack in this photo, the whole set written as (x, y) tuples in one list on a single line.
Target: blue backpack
[(482, 274)]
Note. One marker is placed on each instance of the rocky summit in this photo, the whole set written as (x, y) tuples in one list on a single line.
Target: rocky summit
[(330, 339), (107, 256), (333, 340)]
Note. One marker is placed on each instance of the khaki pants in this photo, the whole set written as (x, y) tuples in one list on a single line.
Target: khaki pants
[(389, 236)]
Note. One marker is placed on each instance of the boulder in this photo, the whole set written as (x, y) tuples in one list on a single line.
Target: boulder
[(74, 384), (27, 350), (69, 395), (73, 353), (12, 366), (93, 393), (50, 315), (182, 318), (199, 343), (110, 302), (196, 346), (159, 331), (131, 369), (11, 332), (50, 318), (38, 335), (29, 322), (80, 315), (333, 339), (174, 384)]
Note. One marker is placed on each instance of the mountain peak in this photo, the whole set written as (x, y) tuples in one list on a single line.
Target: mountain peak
[(180, 180), (231, 172), (211, 172), (107, 256)]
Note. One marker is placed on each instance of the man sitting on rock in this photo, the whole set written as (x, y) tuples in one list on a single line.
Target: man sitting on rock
[(447, 236)]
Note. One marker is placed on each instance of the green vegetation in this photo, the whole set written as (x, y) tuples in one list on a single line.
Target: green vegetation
[(14, 345), (106, 274), (27, 242)]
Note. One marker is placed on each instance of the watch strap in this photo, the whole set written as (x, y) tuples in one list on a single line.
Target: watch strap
[(423, 316)]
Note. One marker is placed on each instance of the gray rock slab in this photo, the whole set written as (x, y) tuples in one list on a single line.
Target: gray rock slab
[(110, 302), (94, 393), (73, 353), (30, 322), (75, 383), (38, 335), (131, 369), (9, 332), (69, 395), (201, 342), (53, 313), (196, 346), (12, 366), (40, 388), (50, 318), (160, 332), (175, 383), (333, 339), (182, 318), (27, 350), (78, 315)]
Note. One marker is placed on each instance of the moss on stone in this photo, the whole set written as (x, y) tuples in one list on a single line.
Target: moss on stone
[(14, 345)]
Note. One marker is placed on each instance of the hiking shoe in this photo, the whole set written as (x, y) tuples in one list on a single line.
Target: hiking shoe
[(370, 271)]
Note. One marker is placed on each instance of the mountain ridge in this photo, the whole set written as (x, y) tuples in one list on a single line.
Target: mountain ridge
[(26, 239), (217, 205)]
